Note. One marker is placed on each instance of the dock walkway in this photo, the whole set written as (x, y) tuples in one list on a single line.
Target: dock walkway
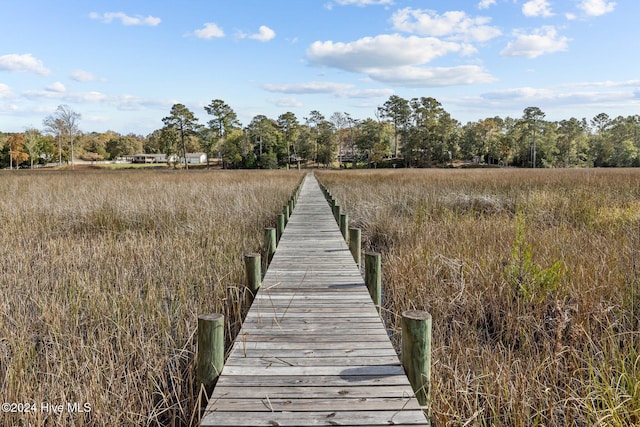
[(312, 350)]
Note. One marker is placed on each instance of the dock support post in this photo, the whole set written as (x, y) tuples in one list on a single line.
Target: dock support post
[(269, 245), (416, 353), (210, 350), (344, 226), (280, 226), (373, 277), (337, 211), (355, 244), (285, 212), (254, 272)]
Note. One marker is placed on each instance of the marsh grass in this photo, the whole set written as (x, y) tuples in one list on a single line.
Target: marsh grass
[(532, 278), (103, 277)]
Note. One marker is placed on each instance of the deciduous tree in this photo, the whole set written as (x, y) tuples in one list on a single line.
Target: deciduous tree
[(16, 150), (63, 124), (32, 142)]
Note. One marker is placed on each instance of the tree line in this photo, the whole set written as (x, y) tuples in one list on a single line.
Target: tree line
[(406, 133)]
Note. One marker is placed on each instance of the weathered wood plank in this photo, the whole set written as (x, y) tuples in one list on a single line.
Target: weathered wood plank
[(239, 345), (339, 403), (327, 418), (318, 380), (267, 360), (316, 353), (311, 392)]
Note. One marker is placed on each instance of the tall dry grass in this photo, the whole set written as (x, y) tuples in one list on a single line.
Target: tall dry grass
[(533, 281), (103, 275)]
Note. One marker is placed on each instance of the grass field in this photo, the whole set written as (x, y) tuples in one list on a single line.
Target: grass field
[(103, 274), (533, 281)]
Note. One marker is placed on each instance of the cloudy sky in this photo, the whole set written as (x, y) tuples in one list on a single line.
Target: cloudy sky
[(122, 64)]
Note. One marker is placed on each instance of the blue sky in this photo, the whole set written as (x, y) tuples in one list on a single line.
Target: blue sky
[(122, 64)]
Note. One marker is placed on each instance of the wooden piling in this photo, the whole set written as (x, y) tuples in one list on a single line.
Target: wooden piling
[(280, 226), (416, 353), (355, 244), (337, 211), (254, 272), (344, 226), (269, 245), (285, 212), (210, 358), (373, 277)]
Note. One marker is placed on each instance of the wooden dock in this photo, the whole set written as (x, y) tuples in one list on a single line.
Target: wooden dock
[(312, 350)]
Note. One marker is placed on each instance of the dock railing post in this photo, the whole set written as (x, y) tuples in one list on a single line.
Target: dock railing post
[(355, 244), (337, 211), (280, 226), (269, 245), (344, 226), (416, 354), (254, 272), (210, 358), (373, 277)]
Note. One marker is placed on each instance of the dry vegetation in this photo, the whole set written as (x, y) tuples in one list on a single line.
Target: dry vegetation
[(533, 281), (103, 276)]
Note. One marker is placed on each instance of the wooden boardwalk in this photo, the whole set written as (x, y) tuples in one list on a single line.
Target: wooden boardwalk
[(313, 350)]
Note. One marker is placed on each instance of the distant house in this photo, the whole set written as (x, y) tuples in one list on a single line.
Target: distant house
[(143, 158), (152, 158), (195, 158)]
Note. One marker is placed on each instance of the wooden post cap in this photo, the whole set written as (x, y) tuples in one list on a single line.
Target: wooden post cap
[(416, 315), (212, 317)]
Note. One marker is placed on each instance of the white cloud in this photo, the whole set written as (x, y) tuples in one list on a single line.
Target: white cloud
[(383, 51), (285, 102), (454, 24), (596, 7), (209, 31), (125, 19), (8, 108), (5, 91), (603, 84), (550, 97), (341, 90), (23, 63), (264, 34), (594, 96), (542, 41), (399, 60), (411, 76), (362, 3), (58, 92), (520, 93), (83, 76), (88, 97), (367, 93), (534, 8), (56, 87), (308, 88), (485, 4)]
